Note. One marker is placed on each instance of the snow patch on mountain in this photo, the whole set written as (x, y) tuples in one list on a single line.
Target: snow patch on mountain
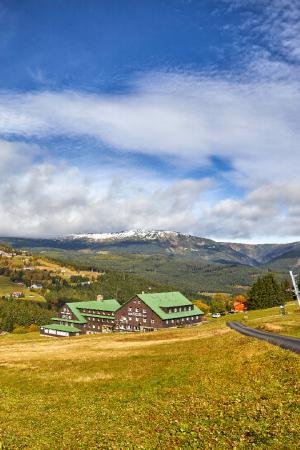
[(130, 234)]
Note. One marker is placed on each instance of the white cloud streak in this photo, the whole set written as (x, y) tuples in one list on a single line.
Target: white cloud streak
[(187, 118)]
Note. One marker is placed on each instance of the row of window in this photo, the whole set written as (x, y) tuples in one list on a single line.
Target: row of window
[(137, 320), (68, 324), (57, 332), (137, 310), (96, 319), (180, 309), (93, 326), (187, 319), (93, 311)]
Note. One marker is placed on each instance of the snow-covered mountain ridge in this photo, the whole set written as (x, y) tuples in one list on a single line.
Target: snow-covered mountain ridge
[(130, 234)]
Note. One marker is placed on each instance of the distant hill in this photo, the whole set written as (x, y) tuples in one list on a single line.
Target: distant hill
[(153, 242)]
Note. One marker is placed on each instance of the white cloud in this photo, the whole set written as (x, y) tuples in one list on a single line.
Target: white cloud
[(186, 118), (283, 20), (41, 198), (269, 213), (38, 198)]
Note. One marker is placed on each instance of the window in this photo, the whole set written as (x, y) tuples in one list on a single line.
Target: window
[(175, 309), (167, 322), (197, 317), (192, 318), (144, 320), (172, 320), (136, 319), (152, 320), (129, 318), (137, 309), (144, 311)]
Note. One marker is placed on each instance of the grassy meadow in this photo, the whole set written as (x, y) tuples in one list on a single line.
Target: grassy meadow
[(205, 387)]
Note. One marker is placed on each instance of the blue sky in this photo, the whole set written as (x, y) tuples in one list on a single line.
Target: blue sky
[(173, 114)]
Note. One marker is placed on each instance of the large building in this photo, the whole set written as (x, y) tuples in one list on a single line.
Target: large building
[(148, 312), (143, 312), (83, 318)]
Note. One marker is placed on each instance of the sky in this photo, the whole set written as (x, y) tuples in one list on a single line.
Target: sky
[(156, 114)]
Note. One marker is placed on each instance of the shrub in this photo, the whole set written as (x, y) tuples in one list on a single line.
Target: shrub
[(33, 328), (19, 330)]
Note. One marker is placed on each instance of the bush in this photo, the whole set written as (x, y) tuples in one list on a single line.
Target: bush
[(201, 305), (33, 328), (18, 329)]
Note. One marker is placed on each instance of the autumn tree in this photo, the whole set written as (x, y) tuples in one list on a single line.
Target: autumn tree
[(221, 303), (240, 298), (201, 305)]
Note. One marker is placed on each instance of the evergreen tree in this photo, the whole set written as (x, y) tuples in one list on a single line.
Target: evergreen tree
[(265, 293)]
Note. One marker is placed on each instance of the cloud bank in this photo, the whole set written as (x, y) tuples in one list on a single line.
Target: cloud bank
[(186, 121)]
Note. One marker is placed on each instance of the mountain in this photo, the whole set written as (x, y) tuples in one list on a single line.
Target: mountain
[(192, 264), (157, 242)]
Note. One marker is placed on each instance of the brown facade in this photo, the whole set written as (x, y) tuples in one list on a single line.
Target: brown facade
[(97, 321), (135, 315)]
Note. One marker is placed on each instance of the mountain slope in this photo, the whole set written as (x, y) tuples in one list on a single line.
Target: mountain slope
[(152, 242)]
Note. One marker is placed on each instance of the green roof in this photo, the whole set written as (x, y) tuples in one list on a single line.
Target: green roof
[(57, 327), (98, 316), (66, 320), (161, 300), (110, 305), (76, 312), (98, 305)]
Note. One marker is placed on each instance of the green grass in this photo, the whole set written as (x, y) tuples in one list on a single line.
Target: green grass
[(269, 319), (206, 387), (7, 288)]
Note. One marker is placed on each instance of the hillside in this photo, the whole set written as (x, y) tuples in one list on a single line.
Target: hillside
[(197, 388), (187, 275), (19, 270)]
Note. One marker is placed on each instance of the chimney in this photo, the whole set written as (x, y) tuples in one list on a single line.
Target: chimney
[(99, 298)]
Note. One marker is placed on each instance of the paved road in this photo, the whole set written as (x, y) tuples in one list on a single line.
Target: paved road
[(289, 343)]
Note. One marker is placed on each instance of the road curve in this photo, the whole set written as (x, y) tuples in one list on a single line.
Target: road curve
[(286, 342)]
